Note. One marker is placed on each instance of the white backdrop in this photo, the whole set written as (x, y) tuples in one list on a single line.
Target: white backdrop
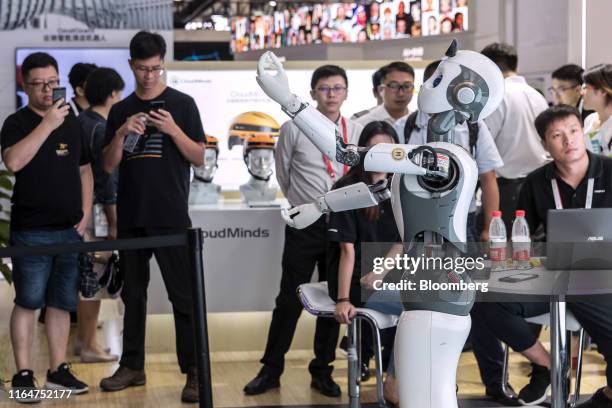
[(221, 95)]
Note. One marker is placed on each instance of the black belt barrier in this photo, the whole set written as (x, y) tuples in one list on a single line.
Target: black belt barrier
[(192, 239)]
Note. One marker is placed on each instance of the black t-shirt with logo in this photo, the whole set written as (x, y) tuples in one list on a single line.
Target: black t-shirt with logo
[(47, 191), (154, 177)]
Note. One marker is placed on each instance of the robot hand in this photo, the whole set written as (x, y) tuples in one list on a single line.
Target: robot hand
[(301, 216), (276, 86)]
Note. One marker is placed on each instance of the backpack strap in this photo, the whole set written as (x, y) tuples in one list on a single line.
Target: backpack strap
[(410, 125), (473, 132)]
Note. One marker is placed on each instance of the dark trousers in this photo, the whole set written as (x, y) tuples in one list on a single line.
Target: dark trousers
[(506, 322), (303, 250), (174, 265), (509, 191)]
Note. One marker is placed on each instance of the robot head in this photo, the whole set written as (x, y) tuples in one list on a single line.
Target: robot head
[(466, 82), (259, 156), (251, 124), (206, 172)]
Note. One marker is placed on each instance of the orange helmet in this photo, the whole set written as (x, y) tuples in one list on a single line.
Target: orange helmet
[(249, 124), (212, 143), (258, 142)]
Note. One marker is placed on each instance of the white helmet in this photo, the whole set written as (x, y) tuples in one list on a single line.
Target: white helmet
[(466, 82)]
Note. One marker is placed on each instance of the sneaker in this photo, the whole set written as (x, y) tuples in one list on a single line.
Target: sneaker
[(63, 379), (122, 378), (191, 391), (262, 383), (495, 392), (25, 383), (598, 400), (535, 392)]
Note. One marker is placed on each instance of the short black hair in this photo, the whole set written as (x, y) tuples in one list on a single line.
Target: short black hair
[(377, 77), (326, 71), (430, 69), (145, 45), (37, 60), (397, 66), (553, 114), (503, 55), (101, 83), (569, 72), (600, 77), (78, 74)]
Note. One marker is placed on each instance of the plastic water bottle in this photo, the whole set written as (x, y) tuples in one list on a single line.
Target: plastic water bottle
[(497, 247), (521, 241)]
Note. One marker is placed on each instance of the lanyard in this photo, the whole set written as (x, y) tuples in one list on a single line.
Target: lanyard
[(330, 168), (557, 195)]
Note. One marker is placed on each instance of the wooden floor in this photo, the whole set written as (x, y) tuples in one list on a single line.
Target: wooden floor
[(230, 370)]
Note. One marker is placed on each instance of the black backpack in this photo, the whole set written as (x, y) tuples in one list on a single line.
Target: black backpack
[(411, 125)]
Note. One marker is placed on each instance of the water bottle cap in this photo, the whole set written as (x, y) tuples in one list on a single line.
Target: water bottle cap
[(496, 213), (520, 213)]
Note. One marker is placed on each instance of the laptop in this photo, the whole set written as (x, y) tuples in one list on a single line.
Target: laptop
[(579, 238)]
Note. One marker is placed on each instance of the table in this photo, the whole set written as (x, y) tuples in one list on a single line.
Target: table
[(557, 285)]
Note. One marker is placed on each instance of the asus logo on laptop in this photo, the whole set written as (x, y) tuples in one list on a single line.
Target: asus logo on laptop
[(597, 238)]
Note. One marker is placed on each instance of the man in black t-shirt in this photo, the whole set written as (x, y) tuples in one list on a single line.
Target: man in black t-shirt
[(153, 135), (47, 151), (560, 128)]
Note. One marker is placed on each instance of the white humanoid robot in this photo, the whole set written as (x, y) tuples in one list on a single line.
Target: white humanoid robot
[(203, 190), (430, 192), (259, 158)]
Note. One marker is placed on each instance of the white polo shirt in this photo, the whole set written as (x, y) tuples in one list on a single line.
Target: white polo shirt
[(513, 130), (380, 113), (598, 136)]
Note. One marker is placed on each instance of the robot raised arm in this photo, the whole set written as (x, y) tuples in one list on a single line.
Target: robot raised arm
[(321, 131)]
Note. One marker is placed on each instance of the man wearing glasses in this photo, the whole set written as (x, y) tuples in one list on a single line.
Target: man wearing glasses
[(48, 153), (396, 89), (153, 135), (566, 88), (304, 175)]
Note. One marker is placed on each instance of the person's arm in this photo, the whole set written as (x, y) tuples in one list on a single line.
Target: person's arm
[(526, 201), (17, 156), (367, 281), (345, 311), (490, 201), (86, 197), (283, 155), (113, 152)]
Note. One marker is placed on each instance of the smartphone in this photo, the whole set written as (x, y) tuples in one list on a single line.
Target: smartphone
[(157, 105), (59, 93), (519, 277)]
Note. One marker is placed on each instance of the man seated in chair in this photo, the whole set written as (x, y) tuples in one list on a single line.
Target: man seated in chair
[(561, 132)]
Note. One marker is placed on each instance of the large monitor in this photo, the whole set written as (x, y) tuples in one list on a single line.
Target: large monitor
[(348, 22), (116, 58)]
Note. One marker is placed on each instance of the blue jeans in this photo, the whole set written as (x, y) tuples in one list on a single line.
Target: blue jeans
[(51, 280), (387, 302)]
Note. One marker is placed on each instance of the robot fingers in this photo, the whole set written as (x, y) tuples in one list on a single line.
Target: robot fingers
[(269, 62), (301, 216)]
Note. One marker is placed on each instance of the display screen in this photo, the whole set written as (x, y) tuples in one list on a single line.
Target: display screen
[(348, 22), (116, 58), (230, 101)]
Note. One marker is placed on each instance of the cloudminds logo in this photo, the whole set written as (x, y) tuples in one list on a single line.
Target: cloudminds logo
[(228, 233)]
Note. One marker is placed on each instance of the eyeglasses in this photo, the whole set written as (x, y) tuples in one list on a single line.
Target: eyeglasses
[(561, 89), (396, 87), (40, 85), (158, 70), (338, 89)]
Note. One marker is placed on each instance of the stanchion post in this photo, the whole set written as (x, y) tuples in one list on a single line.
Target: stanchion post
[(194, 240)]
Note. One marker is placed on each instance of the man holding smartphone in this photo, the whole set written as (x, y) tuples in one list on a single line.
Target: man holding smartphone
[(47, 151), (154, 146)]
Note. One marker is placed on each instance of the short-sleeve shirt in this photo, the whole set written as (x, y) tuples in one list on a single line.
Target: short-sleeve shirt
[(154, 178), (47, 191), (536, 196), (354, 227)]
